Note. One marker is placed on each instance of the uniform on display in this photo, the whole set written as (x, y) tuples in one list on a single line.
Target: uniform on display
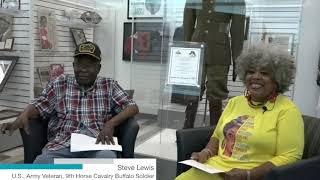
[(211, 22)]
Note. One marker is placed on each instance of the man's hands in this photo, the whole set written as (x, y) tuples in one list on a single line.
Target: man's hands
[(236, 174), (106, 135), (21, 122)]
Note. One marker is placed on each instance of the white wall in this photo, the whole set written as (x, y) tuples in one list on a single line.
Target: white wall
[(306, 91)]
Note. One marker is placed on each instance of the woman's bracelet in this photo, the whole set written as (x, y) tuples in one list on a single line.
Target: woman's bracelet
[(208, 151), (248, 174)]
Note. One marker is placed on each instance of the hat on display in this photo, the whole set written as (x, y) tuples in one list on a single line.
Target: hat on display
[(88, 48), (91, 17)]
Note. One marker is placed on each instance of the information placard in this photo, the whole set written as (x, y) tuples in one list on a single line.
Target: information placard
[(185, 64), (110, 169)]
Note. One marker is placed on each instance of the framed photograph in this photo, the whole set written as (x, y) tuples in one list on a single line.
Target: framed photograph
[(6, 25), (78, 36), (144, 43), (11, 4), (7, 64), (55, 71), (145, 9), (47, 29), (8, 44)]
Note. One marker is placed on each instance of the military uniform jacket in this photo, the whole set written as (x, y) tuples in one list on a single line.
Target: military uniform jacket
[(202, 23)]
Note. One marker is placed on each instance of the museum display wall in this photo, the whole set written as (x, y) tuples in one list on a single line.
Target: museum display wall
[(136, 38)]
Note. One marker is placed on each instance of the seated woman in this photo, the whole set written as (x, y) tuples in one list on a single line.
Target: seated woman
[(259, 130)]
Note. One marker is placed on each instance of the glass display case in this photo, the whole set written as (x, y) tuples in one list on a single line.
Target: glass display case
[(222, 28), (176, 58)]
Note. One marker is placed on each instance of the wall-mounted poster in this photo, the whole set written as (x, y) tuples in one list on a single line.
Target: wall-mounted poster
[(6, 40), (145, 42), (7, 64), (145, 8), (11, 4), (47, 29), (6, 22), (78, 36)]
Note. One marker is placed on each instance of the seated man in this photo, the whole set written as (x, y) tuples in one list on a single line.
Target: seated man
[(81, 103)]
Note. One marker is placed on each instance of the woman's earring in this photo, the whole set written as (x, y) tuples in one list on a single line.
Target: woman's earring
[(273, 96), (247, 94)]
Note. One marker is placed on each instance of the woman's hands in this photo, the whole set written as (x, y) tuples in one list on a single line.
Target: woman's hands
[(201, 156), (106, 135), (236, 174)]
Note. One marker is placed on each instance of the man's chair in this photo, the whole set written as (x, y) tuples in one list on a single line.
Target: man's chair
[(33, 143), (194, 140)]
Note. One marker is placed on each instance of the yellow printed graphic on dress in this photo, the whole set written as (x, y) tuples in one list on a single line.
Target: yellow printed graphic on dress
[(236, 134)]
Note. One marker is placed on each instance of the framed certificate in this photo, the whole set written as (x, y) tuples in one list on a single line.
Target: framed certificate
[(145, 8), (185, 64)]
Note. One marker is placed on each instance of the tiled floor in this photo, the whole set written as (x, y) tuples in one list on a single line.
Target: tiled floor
[(161, 145), (14, 155)]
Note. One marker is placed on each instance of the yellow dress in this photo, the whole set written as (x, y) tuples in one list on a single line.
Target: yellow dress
[(251, 136)]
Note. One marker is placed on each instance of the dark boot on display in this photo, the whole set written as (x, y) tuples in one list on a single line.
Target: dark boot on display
[(215, 109), (191, 112)]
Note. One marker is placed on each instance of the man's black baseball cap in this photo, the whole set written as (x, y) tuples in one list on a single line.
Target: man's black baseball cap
[(88, 48)]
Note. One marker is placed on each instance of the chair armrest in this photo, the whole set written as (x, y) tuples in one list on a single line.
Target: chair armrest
[(127, 134), (36, 140), (303, 169), (189, 141)]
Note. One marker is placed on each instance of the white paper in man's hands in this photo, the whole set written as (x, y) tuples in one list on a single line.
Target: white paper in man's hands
[(203, 167), (81, 142)]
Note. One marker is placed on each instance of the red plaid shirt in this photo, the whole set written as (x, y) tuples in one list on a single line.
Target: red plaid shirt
[(69, 108)]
